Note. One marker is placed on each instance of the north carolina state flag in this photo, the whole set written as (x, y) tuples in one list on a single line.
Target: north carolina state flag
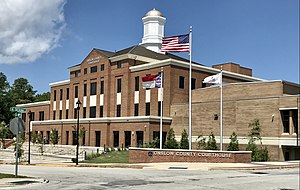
[(152, 81)]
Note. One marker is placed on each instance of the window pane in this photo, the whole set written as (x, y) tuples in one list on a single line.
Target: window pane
[(68, 94), (119, 85), (101, 111), (118, 110), (102, 67), (84, 89), (67, 114), (93, 112), (136, 109), (147, 108), (102, 87), (76, 92), (94, 69), (193, 83), (136, 83), (285, 121), (181, 82), (84, 112), (93, 88), (54, 95)]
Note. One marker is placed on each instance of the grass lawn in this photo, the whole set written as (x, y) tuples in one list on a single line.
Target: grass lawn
[(9, 176), (110, 157)]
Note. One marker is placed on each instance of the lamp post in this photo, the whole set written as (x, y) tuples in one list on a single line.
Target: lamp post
[(77, 130), (29, 134)]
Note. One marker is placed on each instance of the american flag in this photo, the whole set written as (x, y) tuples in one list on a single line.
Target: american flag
[(176, 43)]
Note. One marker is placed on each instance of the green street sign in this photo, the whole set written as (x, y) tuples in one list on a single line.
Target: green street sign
[(16, 109)]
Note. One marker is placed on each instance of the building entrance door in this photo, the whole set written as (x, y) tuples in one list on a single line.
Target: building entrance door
[(98, 138), (116, 138), (139, 138), (127, 138)]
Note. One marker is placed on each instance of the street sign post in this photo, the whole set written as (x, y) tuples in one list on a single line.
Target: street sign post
[(18, 111), (16, 126)]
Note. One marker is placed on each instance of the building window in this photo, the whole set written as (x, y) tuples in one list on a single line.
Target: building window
[(54, 95), (75, 113), (102, 67), (32, 116), (295, 120), (76, 73), (93, 112), (137, 80), (54, 115), (85, 71), (84, 89), (24, 117), (67, 114), (136, 109), (118, 110), (101, 111), (159, 108), (60, 114), (94, 69), (285, 115), (181, 82), (61, 94), (147, 108), (102, 87), (68, 94), (76, 92), (93, 89), (119, 85), (84, 112), (193, 83), (41, 116), (119, 64)]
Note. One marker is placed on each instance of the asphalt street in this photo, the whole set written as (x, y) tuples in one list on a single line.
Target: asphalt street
[(125, 178)]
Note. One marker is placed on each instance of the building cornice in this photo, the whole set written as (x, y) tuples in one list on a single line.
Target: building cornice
[(105, 120), (74, 68), (59, 83), (43, 103), (131, 56), (197, 67)]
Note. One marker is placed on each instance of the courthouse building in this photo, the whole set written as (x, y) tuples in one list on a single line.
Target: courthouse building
[(116, 111)]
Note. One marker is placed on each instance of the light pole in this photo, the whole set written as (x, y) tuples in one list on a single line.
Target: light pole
[(77, 130), (29, 134)]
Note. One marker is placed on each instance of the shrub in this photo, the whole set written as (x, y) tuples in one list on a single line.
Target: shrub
[(54, 136), (92, 155), (171, 142), (153, 144), (234, 143), (201, 142), (184, 142), (211, 143)]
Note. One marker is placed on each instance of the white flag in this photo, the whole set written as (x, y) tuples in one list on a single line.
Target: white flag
[(215, 79)]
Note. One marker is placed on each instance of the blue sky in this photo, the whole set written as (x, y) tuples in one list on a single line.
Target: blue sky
[(260, 34)]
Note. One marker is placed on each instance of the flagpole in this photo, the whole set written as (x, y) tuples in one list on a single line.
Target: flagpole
[(221, 112), (161, 108), (190, 91)]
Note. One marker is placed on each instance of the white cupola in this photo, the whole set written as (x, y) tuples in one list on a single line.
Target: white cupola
[(154, 23)]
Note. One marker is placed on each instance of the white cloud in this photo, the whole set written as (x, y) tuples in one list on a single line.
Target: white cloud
[(29, 28)]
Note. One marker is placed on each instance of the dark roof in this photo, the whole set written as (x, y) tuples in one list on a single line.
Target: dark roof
[(142, 51), (106, 53)]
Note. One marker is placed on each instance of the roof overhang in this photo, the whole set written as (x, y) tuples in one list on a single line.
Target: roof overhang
[(288, 108), (131, 56), (197, 67), (59, 83), (43, 103), (74, 68), (106, 120)]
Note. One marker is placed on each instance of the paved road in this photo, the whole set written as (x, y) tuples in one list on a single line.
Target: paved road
[(113, 178)]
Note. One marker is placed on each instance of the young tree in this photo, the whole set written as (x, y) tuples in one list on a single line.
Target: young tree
[(261, 154), (201, 142), (4, 131), (184, 142), (171, 142), (211, 143), (234, 143), (54, 136), (153, 144)]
